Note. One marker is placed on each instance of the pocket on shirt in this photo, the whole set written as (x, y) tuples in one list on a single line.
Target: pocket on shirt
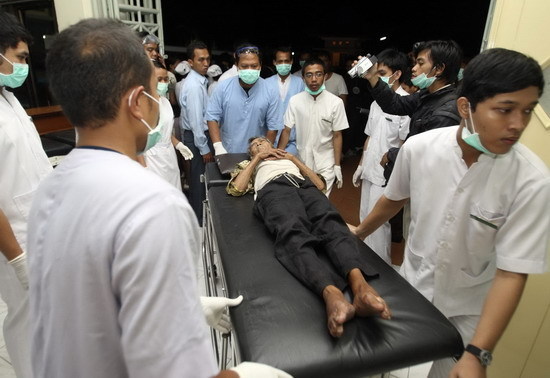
[(482, 228), (23, 203), (485, 273), (326, 122)]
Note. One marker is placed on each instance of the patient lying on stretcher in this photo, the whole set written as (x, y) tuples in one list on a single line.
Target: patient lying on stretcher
[(289, 199)]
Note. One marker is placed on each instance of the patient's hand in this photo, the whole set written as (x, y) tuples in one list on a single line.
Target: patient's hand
[(273, 154)]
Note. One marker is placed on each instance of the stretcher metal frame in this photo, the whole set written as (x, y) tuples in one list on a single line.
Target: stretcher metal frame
[(283, 324)]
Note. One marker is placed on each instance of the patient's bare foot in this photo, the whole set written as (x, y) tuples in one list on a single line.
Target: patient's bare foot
[(339, 310), (366, 300)]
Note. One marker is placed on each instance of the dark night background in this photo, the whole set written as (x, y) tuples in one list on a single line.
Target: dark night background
[(302, 24)]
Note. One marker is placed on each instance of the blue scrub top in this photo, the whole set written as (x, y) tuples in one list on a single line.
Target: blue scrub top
[(243, 115), (296, 85)]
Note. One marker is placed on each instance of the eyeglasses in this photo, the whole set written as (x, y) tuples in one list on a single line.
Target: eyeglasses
[(318, 75), (150, 38), (248, 50)]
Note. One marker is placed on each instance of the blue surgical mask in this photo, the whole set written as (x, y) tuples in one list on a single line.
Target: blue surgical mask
[(460, 74), (162, 88), (422, 81), (315, 93), (17, 77), (283, 69), (155, 134), (471, 138), (302, 62), (249, 76)]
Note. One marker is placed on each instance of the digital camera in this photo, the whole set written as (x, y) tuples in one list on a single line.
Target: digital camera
[(362, 66)]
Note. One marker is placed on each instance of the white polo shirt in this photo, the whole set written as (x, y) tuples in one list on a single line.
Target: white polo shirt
[(315, 120), (466, 223), (384, 131)]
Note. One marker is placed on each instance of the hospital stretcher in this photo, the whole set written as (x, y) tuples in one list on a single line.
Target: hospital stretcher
[(282, 323)]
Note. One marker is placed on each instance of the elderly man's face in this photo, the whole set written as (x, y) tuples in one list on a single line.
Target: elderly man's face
[(259, 145)]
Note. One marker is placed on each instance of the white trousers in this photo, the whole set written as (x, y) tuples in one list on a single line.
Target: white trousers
[(380, 240), (16, 324), (466, 326)]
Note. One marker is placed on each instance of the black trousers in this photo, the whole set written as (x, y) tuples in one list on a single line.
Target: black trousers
[(197, 192), (305, 223)]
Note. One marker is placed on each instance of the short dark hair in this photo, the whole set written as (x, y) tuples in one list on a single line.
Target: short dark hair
[(395, 60), (12, 32), (247, 47), (283, 49), (311, 62), (447, 54), (496, 71), (91, 65), (194, 45)]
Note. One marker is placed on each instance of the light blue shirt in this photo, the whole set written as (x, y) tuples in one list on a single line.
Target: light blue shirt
[(241, 115), (295, 86), (193, 99)]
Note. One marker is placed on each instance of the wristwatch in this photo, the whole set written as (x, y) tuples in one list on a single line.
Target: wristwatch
[(484, 356)]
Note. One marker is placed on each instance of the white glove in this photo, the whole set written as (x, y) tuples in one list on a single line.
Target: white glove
[(338, 174), (19, 264), (256, 370), (214, 311), (184, 151), (219, 149), (357, 176)]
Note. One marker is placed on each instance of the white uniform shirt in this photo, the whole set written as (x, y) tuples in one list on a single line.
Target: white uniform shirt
[(315, 121), (336, 85), (24, 165), (112, 282), (161, 158), (465, 223), (233, 71), (384, 131)]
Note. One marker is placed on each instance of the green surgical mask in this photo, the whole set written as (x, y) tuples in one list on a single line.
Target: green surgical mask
[(460, 74), (386, 79), (315, 93), (155, 134), (17, 77), (162, 88), (249, 76), (471, 138), (422, 81), (283, 69)]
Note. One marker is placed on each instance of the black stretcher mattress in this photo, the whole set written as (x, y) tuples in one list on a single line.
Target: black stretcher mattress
[(282, 323)]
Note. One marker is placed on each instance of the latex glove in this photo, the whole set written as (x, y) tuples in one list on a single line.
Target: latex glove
[(219, 149), (255, 370), (184, 151), (357, 176), (338, 174), (19, 264), (214, 311)]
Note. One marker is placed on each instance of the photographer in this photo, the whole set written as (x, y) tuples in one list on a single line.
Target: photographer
[(433, 106)]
